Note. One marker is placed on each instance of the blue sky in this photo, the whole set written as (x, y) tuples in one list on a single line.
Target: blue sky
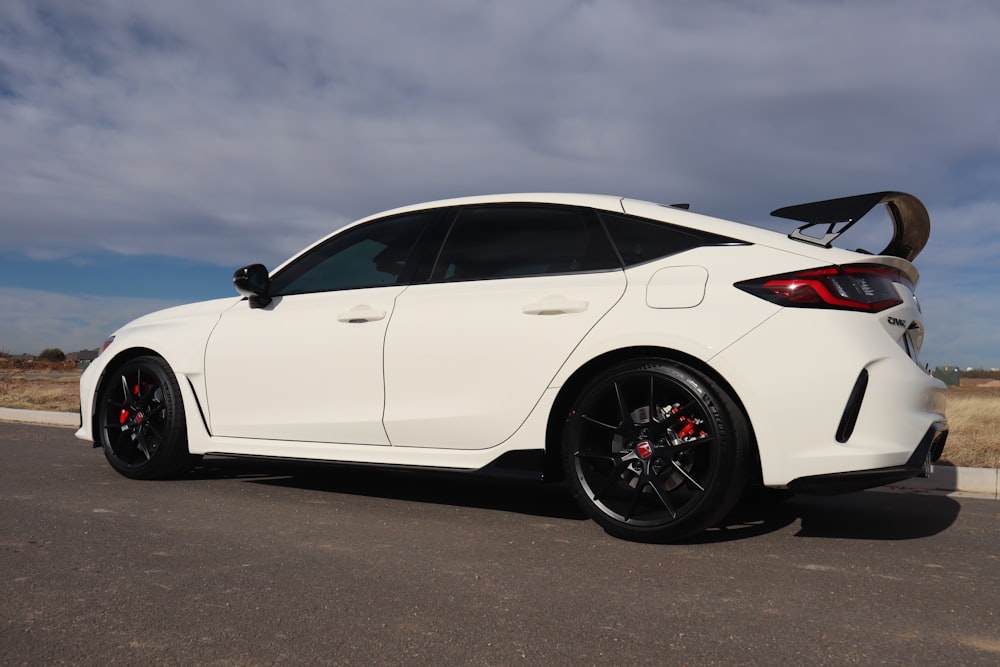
[(147, 149)]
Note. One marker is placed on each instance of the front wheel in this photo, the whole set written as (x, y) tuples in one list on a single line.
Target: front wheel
[(655, 451), (141, 420)]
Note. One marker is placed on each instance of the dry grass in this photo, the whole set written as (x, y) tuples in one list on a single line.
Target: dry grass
[(43, 389), (973, 408), (974, 418)]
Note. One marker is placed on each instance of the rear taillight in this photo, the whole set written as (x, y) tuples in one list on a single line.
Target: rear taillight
[(864, 287)]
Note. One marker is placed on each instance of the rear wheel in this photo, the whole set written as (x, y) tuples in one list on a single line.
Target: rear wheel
[(655, 451), (141, 420)]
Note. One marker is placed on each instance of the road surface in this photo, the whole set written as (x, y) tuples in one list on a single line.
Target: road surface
[(252, 562)]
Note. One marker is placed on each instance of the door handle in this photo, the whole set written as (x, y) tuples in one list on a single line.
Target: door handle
[(360, 314), (554, 305)]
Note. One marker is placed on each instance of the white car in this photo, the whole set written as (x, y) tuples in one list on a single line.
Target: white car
[(656, 359)]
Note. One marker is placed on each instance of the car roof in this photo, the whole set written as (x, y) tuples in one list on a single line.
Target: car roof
[(645, 209), (606, 202)]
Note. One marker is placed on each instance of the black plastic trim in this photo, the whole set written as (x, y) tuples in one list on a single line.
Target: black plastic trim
[(853, 408), (845, 482), (526, 464), (197, 403)]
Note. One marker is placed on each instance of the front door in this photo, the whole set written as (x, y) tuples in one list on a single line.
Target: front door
[(308, 366)]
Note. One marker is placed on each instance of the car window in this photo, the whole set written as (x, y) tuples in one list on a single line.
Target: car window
[(517, 240), (371, 255), (639, 240)]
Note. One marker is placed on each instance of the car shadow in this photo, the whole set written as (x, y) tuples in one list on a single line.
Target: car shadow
[(867, 515), (458, 489), (864, 515)]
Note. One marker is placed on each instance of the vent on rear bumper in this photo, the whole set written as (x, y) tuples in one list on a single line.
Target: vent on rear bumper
[(853, 408)]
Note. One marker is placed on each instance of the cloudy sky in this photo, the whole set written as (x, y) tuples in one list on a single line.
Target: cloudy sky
[(149, 148)]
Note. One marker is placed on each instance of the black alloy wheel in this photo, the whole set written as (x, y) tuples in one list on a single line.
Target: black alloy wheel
[(655, 451), (141, 420)]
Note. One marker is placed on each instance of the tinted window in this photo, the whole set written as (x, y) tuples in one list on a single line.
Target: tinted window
[(371, 255), (517, 240), (639, 240)]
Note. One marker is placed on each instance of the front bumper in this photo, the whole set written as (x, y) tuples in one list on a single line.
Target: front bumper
[(88, 391), (919, 463)]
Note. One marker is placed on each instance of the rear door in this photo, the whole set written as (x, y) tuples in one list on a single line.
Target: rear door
[(513, 292)]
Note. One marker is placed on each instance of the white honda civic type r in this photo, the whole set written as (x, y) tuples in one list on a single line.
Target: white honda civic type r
[(655, 359)]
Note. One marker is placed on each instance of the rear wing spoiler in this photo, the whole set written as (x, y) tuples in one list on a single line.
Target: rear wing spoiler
[(910, 222)]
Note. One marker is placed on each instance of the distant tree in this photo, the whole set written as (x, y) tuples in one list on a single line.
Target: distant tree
[(52, 354), (991, 373)]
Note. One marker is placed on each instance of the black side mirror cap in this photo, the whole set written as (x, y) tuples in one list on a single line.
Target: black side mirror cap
[(253, 282)]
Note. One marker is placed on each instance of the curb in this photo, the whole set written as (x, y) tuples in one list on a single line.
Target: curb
[(46, 417), (981, 482)]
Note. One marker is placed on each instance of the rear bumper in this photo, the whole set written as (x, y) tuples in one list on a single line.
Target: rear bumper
[(928, 451)]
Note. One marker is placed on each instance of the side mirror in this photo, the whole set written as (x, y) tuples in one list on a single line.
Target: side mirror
[(254, 283)]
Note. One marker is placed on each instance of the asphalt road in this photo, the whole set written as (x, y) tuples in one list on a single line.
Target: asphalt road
[(251, 562)]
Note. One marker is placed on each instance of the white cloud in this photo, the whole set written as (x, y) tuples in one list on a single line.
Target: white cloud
[(230, 131), (36, 319)]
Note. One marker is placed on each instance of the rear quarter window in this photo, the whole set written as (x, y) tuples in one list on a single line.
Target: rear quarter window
[(639, 240)]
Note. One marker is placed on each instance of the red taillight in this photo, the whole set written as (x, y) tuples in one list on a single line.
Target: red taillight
[(864, 287)]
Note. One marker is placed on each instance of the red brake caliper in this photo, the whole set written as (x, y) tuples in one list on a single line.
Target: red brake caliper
[(688, 430), (123, 417)]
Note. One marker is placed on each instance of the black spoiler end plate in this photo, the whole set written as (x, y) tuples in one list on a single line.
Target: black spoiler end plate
[(910, 221)]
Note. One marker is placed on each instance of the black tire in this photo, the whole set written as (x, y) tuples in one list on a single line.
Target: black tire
[(140, 420), (655, 451)]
